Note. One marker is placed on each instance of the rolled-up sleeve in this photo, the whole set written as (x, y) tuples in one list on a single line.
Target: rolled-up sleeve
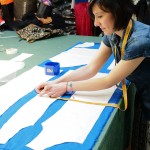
[(136, 49)]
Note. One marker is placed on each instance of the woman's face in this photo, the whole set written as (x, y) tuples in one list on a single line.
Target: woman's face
[(104, 20)]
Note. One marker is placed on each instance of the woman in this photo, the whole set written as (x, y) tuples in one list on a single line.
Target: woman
[(114, 19)]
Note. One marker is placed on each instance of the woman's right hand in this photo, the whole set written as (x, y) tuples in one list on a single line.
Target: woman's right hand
[(52, 89), (41, 86)]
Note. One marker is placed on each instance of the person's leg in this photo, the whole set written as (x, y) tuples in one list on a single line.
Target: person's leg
[(136, 124), (141, 129)]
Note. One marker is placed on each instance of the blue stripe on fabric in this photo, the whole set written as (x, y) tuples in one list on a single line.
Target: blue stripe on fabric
[(95, 46), (15, 107), (27, 134)]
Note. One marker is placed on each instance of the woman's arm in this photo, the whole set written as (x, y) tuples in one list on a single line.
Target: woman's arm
[(82, 73), (120, 72)]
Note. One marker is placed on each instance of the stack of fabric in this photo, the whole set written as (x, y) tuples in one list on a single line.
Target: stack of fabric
[(64, 9)]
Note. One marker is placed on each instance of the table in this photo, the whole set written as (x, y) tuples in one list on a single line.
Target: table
[(116, 131)]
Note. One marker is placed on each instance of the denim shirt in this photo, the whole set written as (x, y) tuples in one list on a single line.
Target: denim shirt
[(138, 45)]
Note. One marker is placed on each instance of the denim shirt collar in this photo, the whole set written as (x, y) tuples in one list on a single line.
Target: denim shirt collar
[(116, 39)]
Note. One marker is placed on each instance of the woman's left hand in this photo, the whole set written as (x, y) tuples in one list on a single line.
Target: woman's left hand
[(54, 90)]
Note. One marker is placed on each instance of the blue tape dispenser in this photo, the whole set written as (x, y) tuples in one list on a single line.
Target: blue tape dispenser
[(52, 68)]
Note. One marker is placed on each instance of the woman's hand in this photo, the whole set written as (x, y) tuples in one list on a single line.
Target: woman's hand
[(41, 86), (52, 90)]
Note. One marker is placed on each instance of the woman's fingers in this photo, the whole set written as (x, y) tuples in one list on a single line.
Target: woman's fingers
[(40, 87), (45, 90)]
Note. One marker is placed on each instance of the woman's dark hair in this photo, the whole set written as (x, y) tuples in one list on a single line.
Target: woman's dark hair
[(122, 10)]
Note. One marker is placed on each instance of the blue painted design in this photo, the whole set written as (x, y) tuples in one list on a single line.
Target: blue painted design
[(27, 134)]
